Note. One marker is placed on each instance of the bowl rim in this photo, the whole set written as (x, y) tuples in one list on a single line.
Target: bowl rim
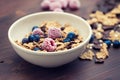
[(49, 53)]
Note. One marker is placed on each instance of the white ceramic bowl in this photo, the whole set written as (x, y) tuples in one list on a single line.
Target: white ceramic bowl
[(24, 25)]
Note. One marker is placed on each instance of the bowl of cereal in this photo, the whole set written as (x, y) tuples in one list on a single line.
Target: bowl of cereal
[(49, 39)]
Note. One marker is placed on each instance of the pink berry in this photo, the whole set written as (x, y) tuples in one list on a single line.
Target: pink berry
[(45, 4), (49, 45), (54, 33), (55, 5), (58, 10), (37, 31), (74, 4), (64, 3)]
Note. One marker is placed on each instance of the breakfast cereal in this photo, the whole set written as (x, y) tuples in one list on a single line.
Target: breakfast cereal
[(51, 36), (88, 55)]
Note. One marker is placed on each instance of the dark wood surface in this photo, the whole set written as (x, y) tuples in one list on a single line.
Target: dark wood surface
[(13, 67)]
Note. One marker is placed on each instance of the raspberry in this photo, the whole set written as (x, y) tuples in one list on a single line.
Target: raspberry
[(49, 45), (37, 31), (54, 33)]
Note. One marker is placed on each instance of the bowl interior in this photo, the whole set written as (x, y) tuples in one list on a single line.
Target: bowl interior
[(24, 25)]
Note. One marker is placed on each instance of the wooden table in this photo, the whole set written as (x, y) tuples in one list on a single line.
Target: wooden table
[(13, 67)]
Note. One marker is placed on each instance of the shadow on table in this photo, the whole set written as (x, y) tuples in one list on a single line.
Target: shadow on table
[(31, 71)]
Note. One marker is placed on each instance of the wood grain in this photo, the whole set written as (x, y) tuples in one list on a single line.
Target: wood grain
[(12, 67)]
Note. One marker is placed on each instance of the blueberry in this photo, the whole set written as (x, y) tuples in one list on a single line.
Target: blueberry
[(34, 27), (108, 42), (36, 48), (66, 40), (91, 39), (71, 35), (37, 37), (25, 40), (116, 44), (31, 38)]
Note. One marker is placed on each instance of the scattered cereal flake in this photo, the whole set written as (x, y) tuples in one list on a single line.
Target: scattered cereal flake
[(114, 35), (99, 28), (98, 35), (87, 55), (115, 10), (111, 15), (104, 49), (100, 55), (96, 14), (108, 19), (89, 46), (103, 54), (93, 20)]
